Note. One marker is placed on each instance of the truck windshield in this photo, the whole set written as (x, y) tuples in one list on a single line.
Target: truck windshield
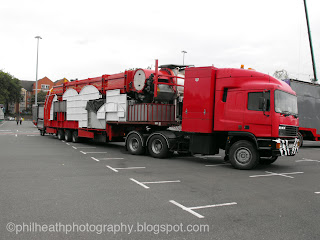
[(285, 103)]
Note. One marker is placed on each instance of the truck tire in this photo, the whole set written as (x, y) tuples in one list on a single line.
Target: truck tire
[(135, 145), (42, 132), (75, 137), (158, 147), (60, 134), (268, 161), (243, 155), (68, 135), (300, 139)]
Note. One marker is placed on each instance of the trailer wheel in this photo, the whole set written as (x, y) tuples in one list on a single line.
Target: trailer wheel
[(268, 161), (134, 144), (243, 155), (300, 139), (60, 134), (75, 137), (68, 135), (158, 147)]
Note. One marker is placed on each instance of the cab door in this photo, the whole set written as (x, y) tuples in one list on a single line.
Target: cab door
[(256, 120)]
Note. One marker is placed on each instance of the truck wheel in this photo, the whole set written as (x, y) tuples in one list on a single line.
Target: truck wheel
[(60, 134), (75, 137), (243, 155), (42, 132), (134, 144), (158, 147), (300, 139), (68, 135), (268, 161)]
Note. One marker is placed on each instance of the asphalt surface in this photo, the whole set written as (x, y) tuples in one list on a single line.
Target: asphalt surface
[(51, 189)]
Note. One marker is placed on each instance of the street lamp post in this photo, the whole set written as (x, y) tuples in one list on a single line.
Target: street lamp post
[(36, 97), (183, 52)]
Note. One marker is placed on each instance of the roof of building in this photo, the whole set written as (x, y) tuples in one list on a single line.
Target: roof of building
[(27, 85)]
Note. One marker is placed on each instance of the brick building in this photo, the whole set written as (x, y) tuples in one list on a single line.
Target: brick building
[(28, 89)]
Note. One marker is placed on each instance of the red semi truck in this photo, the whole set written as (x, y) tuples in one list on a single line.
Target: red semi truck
[(176, 108)]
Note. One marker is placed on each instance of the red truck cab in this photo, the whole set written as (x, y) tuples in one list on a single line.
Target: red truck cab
[(256, 113)]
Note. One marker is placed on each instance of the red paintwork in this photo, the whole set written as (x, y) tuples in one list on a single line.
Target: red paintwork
[(86, 134), (198, 103), (233, 114), (313, 131)]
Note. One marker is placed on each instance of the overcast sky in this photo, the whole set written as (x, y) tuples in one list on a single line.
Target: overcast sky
[(84, 39)]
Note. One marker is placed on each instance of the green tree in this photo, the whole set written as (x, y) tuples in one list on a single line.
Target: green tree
[(41, 97), (10, 89)]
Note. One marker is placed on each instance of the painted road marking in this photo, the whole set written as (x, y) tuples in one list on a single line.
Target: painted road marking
[(68, 143), (5, 130), (116, 169), (143, 183), (16, 135), (190, 209), (307, 160), (317, 192), (91, 152), (276, 174), (217, 165), (85, 147), (74, 147), (95, 159), (63, 141)]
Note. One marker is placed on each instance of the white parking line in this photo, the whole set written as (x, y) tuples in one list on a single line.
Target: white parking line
[(127, 168), (91, 152), (74, 147), (86, 147), (68, 143), (143, 183), (190, 209), (317, 192), (307, 160), (95, 159), (276, 174)]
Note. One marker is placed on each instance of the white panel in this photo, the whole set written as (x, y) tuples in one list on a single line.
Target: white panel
[(111, 93), (55, 99), (111, 107)]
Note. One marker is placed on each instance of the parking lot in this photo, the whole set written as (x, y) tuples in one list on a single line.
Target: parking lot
[(45, 181)]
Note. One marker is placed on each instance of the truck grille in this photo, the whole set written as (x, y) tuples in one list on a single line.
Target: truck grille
[(288, 131)]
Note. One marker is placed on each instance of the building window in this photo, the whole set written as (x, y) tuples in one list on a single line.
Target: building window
[(45, 87)]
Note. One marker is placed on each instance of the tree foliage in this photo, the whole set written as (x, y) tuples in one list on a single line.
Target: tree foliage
[(41, 97), (281, 74), (10, 88)]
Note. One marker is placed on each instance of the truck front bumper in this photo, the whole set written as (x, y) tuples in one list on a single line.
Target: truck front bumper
[(287, 147)]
